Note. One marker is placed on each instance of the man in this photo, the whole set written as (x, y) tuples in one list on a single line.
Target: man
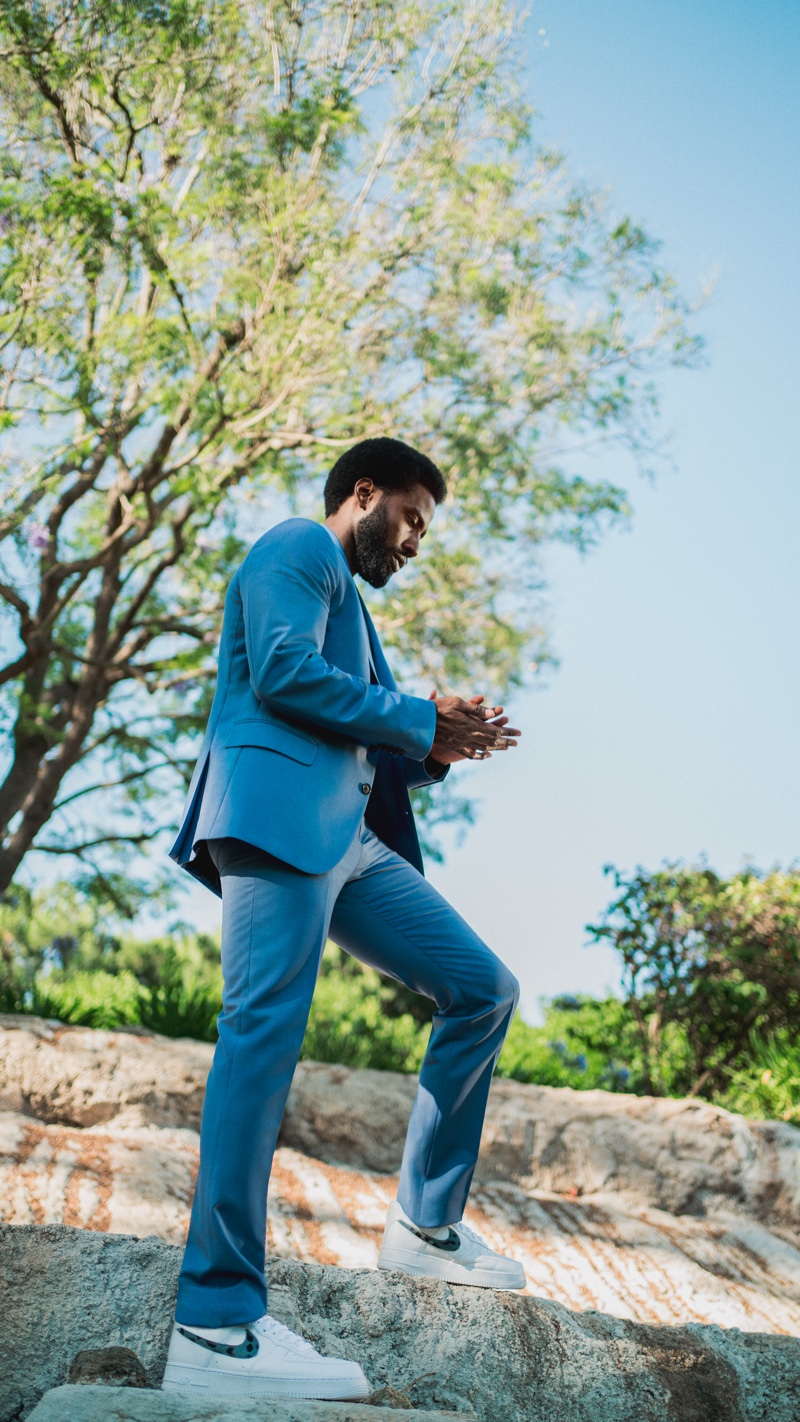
[(299, 815)]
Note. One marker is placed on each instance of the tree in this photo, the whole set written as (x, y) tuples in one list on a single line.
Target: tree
[(708, 964), (233, 239)]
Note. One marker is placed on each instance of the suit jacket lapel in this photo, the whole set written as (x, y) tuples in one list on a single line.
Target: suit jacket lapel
[(371, 635), (377, 661)]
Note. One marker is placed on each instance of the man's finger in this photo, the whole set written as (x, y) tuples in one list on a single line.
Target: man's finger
[(482, 733), (501, 722)]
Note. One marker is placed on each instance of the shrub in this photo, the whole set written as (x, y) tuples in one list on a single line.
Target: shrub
[(769, 1085), (584, 1042), (354, 1019), (712, 974), (706, 962), (88, 999)]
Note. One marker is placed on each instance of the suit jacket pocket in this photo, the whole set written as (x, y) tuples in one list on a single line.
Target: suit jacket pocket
[(271, 737)]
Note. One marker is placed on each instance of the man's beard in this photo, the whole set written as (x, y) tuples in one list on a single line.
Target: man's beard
[(374, 558)]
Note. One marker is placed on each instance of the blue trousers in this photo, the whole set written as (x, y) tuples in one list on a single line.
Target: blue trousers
[(274, 926)]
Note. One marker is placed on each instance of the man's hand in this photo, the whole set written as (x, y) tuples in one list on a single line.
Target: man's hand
[(468, 730)]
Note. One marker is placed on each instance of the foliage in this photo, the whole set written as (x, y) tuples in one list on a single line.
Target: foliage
[(584, 1042), (768, 1085), (88, 999), (233, 239), (701, 954), (96, 975), (355, 1020), (51, 929), (707, 962), (66, 955), (181, 985)]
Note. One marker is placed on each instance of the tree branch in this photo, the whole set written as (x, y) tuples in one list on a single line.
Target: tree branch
[(128, 779), (79, 849)]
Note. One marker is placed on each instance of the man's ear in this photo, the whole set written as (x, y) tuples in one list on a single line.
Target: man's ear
[(363, 490)]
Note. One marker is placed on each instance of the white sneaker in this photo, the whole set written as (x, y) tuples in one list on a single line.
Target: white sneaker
[(255, 1360), (455, 1253)]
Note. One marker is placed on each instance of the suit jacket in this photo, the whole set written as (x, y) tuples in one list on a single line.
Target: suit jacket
[(307, 721)]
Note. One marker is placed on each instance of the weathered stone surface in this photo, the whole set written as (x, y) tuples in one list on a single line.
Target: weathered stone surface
[(500, 1357), (134, 1180), (684, 1157), (67, 1290), (598, 1251), (113, 1367), (399, 1401), (347, 1117), (587, 1247), (77, 1076), (64, 1404)]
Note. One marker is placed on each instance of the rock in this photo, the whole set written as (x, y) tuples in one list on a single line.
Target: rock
[(499, 1357), (63, 1404), (683, 1157), (78, 1076), (136, 1180), (348, 1117), (569, 1182), (113, 1367), (60, 1298), (598, 1251)]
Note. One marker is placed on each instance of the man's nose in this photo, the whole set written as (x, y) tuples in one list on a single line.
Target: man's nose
[(410, 545)]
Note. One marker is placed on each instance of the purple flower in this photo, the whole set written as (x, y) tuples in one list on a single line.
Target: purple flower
[(38, 537)]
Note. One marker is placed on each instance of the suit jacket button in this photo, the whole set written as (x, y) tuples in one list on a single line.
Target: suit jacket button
[(365, 789)]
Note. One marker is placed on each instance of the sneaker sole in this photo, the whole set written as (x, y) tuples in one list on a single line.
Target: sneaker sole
[(410, 1263), (185, 1380)]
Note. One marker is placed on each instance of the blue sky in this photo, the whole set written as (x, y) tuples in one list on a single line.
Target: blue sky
[(671, 728)]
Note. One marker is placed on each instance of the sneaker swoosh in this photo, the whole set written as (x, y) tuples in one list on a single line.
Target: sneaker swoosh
[(449, 1245), (248, 1348)]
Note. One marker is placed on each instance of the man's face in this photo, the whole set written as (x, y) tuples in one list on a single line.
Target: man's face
[(389, 530)]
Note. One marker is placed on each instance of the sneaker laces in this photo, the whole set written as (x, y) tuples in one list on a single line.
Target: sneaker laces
[(272, 1328), (473, 1235)]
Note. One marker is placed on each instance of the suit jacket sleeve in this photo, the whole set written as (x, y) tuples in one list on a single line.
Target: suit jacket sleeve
[(286, 591), (417, 775)]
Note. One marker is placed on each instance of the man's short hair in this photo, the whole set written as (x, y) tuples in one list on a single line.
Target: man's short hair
[(389, 463)]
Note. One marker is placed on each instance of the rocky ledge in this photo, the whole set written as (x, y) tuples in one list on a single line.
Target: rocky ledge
[(655, 1211), (92, 1404), (493, 1356)]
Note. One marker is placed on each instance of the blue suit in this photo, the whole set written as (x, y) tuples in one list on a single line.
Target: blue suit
[(299, 815), (302, 675)]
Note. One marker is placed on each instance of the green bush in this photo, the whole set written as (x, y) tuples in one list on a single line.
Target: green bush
[(706, 962), (584, 1043), (65, 954), (769, 1086), (180, 984), (349, 1023), (88, 999)]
